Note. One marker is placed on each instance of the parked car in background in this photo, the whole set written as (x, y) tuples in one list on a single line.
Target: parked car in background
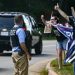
[(34, 37)]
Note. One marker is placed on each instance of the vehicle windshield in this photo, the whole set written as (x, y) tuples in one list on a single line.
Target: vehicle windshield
[(6, 22)]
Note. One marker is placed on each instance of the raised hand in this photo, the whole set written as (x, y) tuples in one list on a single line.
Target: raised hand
[(42, 16), (56, 7), (73, 11)]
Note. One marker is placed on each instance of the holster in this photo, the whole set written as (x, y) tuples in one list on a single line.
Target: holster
[(21, 52)]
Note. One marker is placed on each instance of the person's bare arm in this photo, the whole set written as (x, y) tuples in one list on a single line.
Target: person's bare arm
[(43, 20), (73, 11), (62, 13), (24, 48)]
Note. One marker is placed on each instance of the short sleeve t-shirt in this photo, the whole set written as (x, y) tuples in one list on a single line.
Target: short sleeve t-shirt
[(21, 35), (59, 36)]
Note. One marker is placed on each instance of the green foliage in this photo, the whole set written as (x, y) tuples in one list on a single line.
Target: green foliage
[(48, 37), (32, 7), (35, 7), (67, 69), (44, 72)]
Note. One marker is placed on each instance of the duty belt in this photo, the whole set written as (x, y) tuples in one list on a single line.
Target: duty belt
[(19, 52)]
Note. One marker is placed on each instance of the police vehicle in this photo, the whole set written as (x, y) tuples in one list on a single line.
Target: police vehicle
[(30, 25)]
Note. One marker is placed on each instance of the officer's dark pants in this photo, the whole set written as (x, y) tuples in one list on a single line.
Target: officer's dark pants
[(20, 63)]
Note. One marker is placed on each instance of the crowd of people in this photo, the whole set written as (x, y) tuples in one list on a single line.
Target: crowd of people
[(61, 39), (20, 54)]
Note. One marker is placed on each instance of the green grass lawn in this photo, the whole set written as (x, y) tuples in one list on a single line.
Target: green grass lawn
[(67, 69), (44, 72)]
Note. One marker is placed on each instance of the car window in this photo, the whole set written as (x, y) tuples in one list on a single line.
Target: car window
[(34, 24), (30, 23), (27, 22), (7, 22), (33, 21)]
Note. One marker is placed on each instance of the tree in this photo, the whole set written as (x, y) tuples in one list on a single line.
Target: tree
[(65, 5)]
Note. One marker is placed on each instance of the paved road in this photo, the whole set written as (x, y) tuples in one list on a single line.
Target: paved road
[(6, 65)]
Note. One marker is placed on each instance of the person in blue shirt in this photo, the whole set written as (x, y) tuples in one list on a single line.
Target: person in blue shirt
[(20, 54)]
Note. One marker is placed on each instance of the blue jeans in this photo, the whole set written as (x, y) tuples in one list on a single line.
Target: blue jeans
[(61, 44)]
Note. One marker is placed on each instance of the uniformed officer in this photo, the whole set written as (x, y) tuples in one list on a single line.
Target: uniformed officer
[(20, 54)]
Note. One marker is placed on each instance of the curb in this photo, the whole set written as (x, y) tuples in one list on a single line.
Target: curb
[(50, 70), (36, 69)]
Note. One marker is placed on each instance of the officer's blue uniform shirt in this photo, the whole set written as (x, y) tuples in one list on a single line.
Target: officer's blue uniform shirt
[(21, 36)]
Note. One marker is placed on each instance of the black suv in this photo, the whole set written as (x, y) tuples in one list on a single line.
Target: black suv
[(6, 24)]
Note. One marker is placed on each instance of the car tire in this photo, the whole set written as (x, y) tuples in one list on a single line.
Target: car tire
[(38, 48), (1, 50)]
